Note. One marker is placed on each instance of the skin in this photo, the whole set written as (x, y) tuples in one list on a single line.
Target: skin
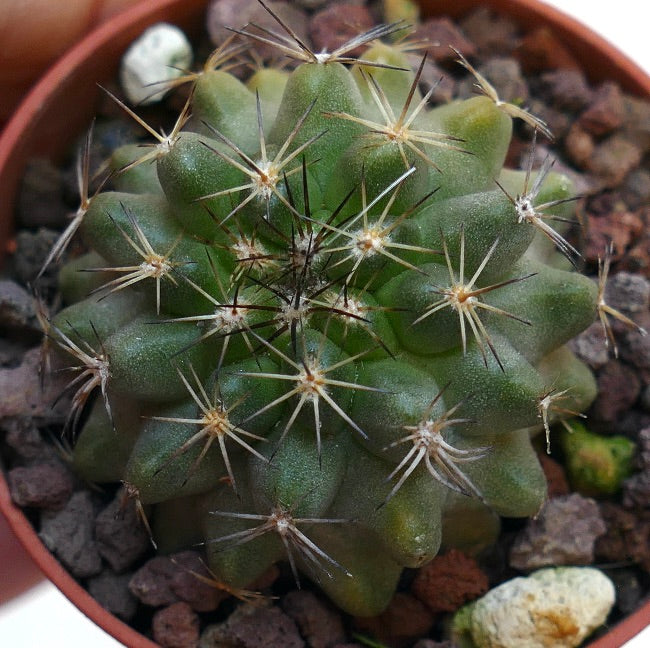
[(34, 33)]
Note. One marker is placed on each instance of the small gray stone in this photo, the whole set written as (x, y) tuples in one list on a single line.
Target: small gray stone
[(614, 158), (563, 533), (17, 311), (120, 534), (69, 534), (590, 346), (25, 440), (567, 89), (636, 188), (112, 592), (40, 200), (251, 626), (320, 624), (32, 249), (505, 75), (491, 32), (628, 293)]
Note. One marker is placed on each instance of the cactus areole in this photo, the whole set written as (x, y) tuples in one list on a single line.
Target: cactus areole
[(319, 321)]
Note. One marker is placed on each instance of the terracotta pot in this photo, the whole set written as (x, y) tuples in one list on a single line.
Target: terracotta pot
[(60, 106)]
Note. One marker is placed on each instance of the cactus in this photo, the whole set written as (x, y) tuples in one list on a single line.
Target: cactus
[(323, 320)]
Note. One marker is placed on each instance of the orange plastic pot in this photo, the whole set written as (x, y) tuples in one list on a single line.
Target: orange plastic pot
[(61, 105)]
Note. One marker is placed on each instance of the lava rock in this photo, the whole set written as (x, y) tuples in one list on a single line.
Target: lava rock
[(176, 626), (614, 158), (40, 200), (319, 623), (591, 346), (17, 313), (23, 394), (251, 626), (606, 111), (563, 533), (439, 36), (69, 534), (45, 486), (26, 442), (491, 33), (540, 51), (404, 620), (618, 388), (32, 248), (151, 584), (111, 591), (336, 24), (238, 13), (120, 534), (627, 537), (449, 581), (567, 89)]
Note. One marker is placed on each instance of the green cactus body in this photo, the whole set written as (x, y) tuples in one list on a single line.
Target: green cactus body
[(320, 341)]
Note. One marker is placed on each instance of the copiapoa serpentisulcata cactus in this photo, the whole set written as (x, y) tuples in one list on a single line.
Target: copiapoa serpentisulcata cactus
[(322, 320)]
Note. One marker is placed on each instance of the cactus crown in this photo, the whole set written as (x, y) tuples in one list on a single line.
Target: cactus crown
[(323, 317)]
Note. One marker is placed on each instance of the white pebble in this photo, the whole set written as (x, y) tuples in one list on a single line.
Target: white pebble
[(556, 607), (160, 54)]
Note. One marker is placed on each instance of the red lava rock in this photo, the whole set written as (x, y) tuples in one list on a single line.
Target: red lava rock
[(441, 35), (627, 537), (319, 623), (563, 533), (449, 581), (540, 50), (618, 388), (46, 486), (620, 227), (335, 25), (404, 620), (555, 476), (176, 626), (606, 111), (252, 626)]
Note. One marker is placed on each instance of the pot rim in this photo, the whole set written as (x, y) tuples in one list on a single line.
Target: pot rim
[(83, 63)]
